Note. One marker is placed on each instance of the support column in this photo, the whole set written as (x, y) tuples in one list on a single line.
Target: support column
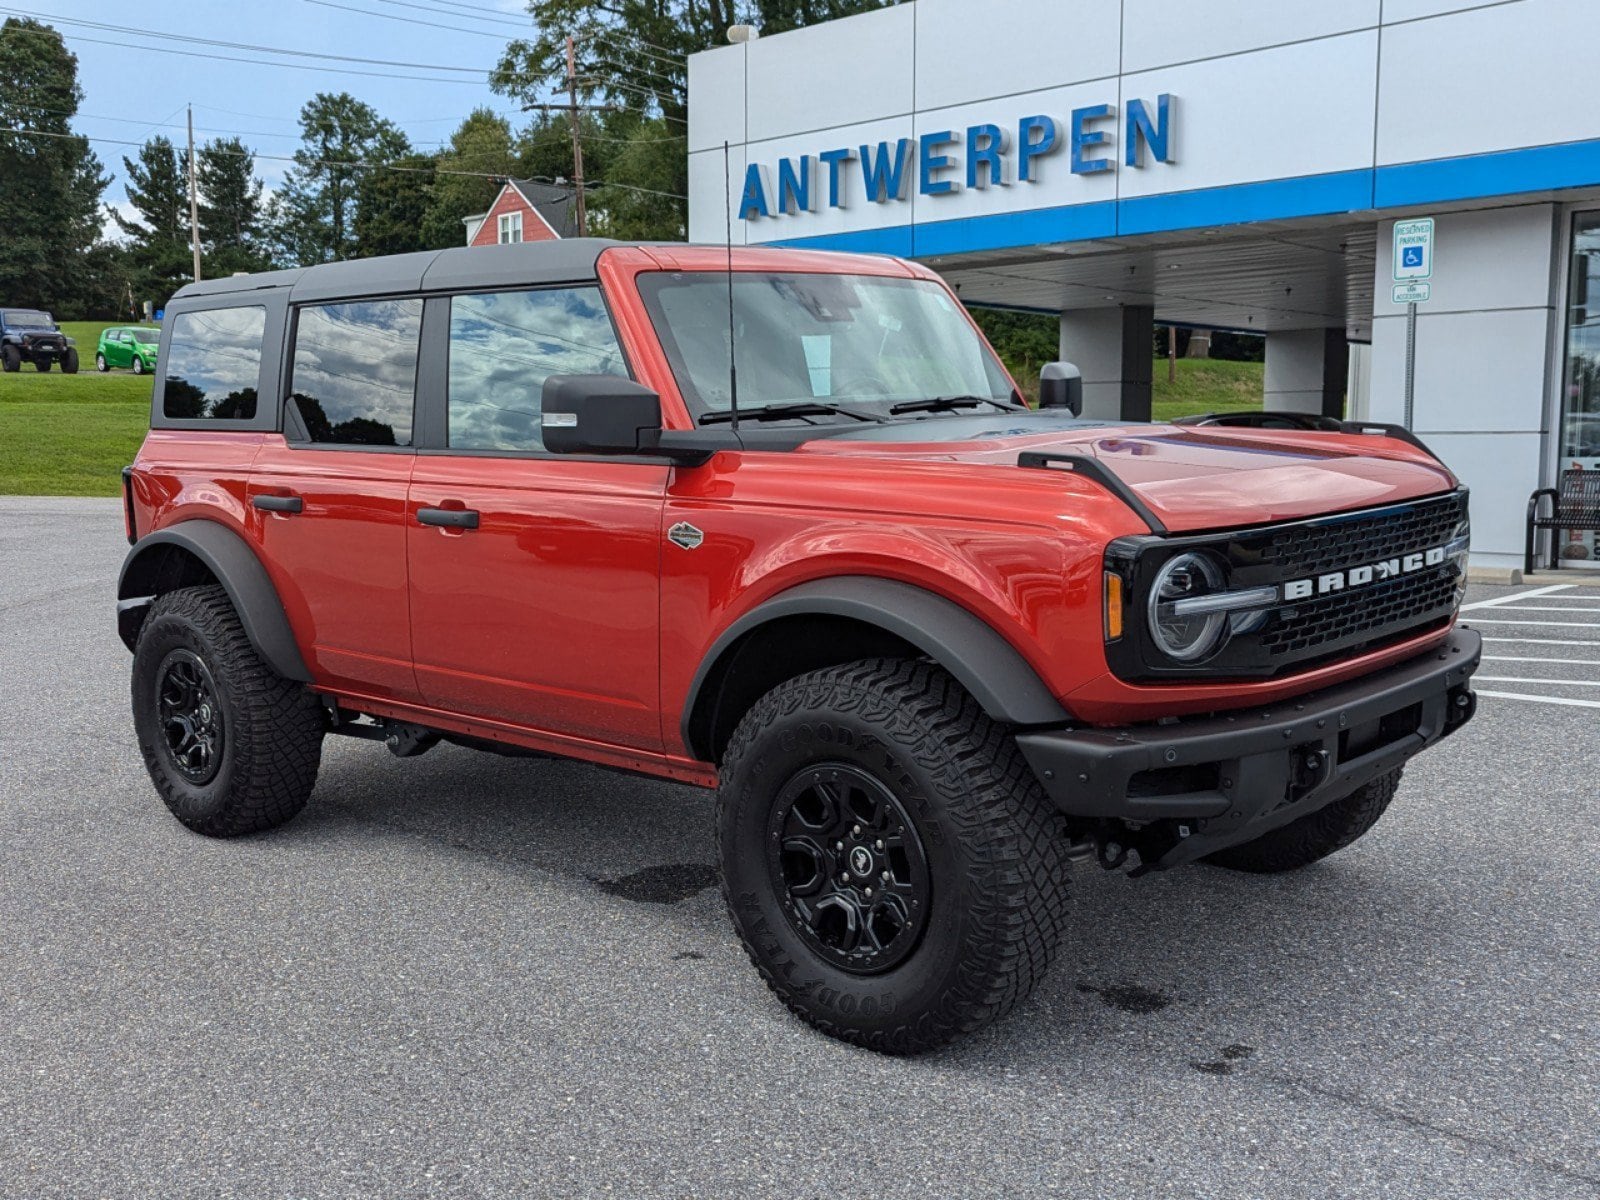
[(1484, 397), (1307, 371), (1115, 350)]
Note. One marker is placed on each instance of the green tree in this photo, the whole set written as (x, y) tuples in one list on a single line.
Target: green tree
[(231, 207), (50, 183), (392, 206), (340, 137), (159, 254), (631, 60), (483, 148)]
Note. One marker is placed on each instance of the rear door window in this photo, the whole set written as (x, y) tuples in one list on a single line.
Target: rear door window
[(213, 364), (354, 376)]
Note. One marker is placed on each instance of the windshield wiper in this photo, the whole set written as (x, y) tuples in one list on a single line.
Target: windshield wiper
[(780, 412), (947, 403)]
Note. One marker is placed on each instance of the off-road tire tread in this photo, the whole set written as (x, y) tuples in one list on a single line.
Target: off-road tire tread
[(275, 724), (991, 799), (1314, 836)]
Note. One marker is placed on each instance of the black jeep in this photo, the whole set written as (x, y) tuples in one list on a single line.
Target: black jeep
[(28, 335)]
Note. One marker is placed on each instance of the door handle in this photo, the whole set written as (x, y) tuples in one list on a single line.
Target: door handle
[(449, 518), (283, 504)]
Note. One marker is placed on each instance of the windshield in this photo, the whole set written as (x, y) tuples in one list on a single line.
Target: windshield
[(146, 337), (865, 341), (30, 318)]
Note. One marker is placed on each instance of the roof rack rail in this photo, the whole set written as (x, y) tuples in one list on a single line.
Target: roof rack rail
[(1093, 468), (1398, 432)]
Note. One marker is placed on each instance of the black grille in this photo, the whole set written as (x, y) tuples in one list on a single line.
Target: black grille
[(1307, 549), (1297, 635), (1373, 613)]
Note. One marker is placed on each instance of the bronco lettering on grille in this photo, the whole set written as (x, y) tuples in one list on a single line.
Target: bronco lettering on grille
[(1389, 568)]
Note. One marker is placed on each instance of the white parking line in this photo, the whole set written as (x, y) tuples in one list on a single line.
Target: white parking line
[(1547, 608), (1566, 662), (1542, 624), (1543, 699), (1522, 641), (1524, 679), (1499, 600)]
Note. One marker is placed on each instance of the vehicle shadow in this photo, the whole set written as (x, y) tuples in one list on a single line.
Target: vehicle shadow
[(1170, 956)]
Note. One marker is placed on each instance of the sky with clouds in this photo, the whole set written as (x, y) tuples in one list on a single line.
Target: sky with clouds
[(136, 86)]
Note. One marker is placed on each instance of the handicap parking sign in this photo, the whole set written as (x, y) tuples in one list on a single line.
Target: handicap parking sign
[(1413, 250)]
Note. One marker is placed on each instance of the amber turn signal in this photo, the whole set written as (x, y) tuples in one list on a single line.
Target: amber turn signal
[(1113, 606)]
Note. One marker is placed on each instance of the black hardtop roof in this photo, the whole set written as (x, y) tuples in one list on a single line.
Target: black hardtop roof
[(524, 264)]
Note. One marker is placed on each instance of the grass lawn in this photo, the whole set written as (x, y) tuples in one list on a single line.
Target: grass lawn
[(1206, 385), (70, 435)]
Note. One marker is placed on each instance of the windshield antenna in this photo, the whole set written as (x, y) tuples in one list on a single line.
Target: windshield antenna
[(727, 216)]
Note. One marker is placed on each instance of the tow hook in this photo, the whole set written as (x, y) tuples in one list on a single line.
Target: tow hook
[(1309, 770), (1463, 703)]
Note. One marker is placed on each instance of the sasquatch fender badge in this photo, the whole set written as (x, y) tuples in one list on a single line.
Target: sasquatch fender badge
[(685, 535)]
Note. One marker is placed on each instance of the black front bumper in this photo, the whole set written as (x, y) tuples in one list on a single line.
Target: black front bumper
[(1203, 784)]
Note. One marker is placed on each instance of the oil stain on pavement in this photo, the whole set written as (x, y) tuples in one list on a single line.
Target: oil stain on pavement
[(665, 884)]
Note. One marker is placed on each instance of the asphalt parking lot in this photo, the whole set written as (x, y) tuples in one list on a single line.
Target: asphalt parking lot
[(476, 976)]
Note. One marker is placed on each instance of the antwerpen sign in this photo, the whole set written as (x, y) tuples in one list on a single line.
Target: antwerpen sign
[(946, 161)]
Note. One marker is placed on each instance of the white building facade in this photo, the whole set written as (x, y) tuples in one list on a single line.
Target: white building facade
[(1232, 164)]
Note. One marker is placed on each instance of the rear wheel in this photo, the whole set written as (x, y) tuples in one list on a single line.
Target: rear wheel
[(69, 362), (893, 868), (42, 364), (1315, 835), (231, 746)]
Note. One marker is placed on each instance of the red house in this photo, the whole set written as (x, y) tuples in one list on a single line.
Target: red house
[(524, 211)]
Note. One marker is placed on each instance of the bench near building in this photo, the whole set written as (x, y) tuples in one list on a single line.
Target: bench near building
[(1234, 164)]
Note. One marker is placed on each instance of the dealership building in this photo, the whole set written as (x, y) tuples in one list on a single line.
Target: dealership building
[(1307, 171)]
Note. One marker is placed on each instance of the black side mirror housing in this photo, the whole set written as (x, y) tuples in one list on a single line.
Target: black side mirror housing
[(599, 414), (1061, 386)]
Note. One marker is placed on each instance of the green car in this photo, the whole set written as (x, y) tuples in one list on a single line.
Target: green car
[(127, 346)]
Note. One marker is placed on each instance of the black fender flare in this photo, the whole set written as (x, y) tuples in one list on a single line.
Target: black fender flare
[(989, 667), (235, 566)]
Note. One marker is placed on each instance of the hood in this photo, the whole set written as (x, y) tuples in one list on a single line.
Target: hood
[(1191, 477)]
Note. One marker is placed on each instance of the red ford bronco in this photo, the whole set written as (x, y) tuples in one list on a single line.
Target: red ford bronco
[(779, 524)]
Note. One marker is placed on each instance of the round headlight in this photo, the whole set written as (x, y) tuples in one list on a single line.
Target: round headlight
[(1180, 635)]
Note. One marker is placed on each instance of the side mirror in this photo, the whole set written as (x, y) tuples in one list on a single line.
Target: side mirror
[(599, 414), (1061, 386)]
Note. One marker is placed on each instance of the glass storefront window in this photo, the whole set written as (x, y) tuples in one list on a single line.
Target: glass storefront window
[(1579, 431)]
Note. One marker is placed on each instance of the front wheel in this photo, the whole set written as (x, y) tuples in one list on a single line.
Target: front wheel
[(1315, 835), (138, 365), (10, 358), (231, 746), (100, 363), (894, 870)]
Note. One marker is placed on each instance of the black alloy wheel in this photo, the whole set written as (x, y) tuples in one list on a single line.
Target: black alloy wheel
[(192, 726), (850, 867)]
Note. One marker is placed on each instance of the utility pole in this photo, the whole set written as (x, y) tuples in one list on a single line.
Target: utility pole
[(577, 143), (194, 203)]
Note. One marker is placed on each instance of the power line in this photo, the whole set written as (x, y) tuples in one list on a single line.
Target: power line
[(383, 16), (466, 16)]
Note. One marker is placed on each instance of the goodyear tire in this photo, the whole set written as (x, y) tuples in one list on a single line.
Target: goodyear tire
[(894, 870), (1315, 835), (231, 746)]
